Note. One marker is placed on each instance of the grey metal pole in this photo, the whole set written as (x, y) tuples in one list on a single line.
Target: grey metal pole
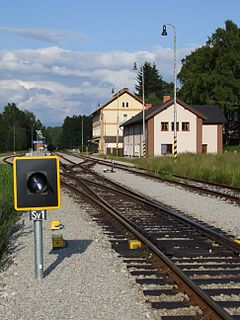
[(32, 138), (14, 139), (143, 111), (117, 137), (82, 133), (38, 246), (175, 98), (143, 108), (164, 33), (117, 141)]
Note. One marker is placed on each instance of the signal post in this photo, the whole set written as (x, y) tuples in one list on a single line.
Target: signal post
[(37, 188)]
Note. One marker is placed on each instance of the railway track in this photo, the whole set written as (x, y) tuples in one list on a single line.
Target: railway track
[(228, 193), (186, 270)]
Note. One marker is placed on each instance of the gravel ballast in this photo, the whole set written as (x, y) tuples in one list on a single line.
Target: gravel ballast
[(83, 281), (211, 210), (86, 280)]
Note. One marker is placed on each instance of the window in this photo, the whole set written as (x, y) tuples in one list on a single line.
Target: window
[(177, 126), (164, 126), (125, 116), (125, 104), (185, 126), (166, 148)]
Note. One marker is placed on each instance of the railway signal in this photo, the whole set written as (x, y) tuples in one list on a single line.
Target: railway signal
[(36, 183), (36, 188)]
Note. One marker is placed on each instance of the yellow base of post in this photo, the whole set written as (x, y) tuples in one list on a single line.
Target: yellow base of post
[(57, 241)]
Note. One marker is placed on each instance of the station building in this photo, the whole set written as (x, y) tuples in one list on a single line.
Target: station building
[(107, 133), (199, 129)]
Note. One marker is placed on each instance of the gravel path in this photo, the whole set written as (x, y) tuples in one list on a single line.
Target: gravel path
[(83, 281)]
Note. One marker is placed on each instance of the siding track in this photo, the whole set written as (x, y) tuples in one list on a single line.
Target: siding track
[(229, 193), (193, 269)]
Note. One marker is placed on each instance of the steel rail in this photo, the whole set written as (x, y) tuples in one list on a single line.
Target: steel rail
[(228, 243), (143, 172), (205, 303)]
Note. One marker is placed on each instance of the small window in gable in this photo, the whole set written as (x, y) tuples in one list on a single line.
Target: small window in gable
[(125, 104)]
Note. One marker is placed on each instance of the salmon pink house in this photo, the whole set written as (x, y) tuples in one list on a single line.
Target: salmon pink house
[(199, 130)]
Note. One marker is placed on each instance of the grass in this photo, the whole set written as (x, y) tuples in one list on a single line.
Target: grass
[(222, 168), (8, 215)]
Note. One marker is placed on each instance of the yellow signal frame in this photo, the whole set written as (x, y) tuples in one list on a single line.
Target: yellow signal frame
[(17, 208)]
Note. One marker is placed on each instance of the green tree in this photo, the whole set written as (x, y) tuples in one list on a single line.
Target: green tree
[(154, 86), (211, 74), (72, 131), (17, 128), (53, 135), (12, 119), (3, 134)]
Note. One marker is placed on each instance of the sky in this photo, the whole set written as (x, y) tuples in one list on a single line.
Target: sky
[(61, 58)]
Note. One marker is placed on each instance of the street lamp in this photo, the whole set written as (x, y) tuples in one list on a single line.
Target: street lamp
[(117, 137), (143, 106), (164, 33)]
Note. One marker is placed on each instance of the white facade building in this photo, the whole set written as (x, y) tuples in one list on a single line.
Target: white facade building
[(199, 130)]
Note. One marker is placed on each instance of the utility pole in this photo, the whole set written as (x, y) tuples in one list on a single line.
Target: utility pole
[(82, 134)]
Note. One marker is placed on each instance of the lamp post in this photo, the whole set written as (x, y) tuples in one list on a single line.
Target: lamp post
[(101, 141), (117, 137), (143, 107), (164, 33)]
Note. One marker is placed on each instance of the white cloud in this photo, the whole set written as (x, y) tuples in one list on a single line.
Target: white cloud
[(53, 82)]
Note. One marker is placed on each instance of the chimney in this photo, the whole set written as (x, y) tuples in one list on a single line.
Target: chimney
[(166, 98), (148, 106)]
